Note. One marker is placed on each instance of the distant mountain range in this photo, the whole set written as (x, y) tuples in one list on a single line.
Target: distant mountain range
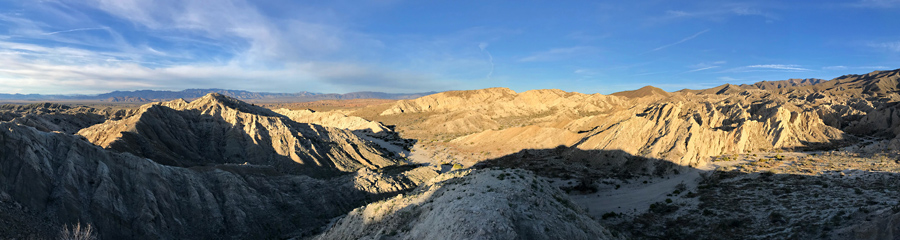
[(154, 95)]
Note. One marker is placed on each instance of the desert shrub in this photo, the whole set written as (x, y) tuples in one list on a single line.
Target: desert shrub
[(609, 215), (457, 166), (78, 232), (663, 208)]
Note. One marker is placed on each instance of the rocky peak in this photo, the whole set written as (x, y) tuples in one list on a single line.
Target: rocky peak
[(642, 92)]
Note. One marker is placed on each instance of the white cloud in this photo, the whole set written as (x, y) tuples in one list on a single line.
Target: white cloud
[(831, 68), (876, 3), (194, 44), (768, 67), (779, 67), (556, 54), (887, 46), (728, 79), (585, 71), (26, 67), (701, 69), (721, 10), (705, 66), (680, 41)]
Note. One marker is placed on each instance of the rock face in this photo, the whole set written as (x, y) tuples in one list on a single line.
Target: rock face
[(687, 130), (480, 204), (50, 117), (212, 168), (337, 120), (65, 179), (217, 129), (684, 128), (642, 92)]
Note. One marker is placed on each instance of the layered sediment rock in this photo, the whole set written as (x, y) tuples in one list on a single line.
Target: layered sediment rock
[(217, 129)]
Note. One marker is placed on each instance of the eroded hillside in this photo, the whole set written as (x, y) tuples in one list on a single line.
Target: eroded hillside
[(685, 127), (215, 167), (800, 158)]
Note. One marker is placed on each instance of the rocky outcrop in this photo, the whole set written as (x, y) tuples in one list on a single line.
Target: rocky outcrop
[(884, 224), (66, 180), (503, 102), (217, 129), (452, 114), (684, 128), (647, 91), (337, 120), (686, 132), (480, 204), (50, 117)]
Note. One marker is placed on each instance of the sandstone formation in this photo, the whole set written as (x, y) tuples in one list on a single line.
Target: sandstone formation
[(336, 120), (714, 160), (684, 127), (211, 168), (217, 129), (646, 91), (65, 179), (481, 204), (50, 117)]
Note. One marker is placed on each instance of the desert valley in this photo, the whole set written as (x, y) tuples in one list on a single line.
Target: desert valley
[(791, 159)]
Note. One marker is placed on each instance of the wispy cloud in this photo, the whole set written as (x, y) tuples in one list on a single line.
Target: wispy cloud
[(705, 66), (834, 68), (483, 46), (680, 41), (886, 46), (558, 54), (876, 4), (701, 69), (748, 11), (769, 67), (727, 79), (192, 44), (582, 36), (583, 71), (88, 72), (75, 30), (865, 68), (720, 11), (779, 67)]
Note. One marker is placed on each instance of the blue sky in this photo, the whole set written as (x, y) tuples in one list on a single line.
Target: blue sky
[(94, 46)]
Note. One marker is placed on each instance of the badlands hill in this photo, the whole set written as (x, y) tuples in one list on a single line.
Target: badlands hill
[(646, 91), (683, 127), (215, 167), (793, 159), (218, 129), (481, 204)]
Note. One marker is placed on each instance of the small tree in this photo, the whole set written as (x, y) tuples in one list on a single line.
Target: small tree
[(77, 232)]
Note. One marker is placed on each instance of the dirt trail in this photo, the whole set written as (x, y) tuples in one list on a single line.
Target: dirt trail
[(637, 196)]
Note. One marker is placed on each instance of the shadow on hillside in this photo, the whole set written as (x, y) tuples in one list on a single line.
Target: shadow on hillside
[(734, 204), (573, 163), (198, 140), (743, 205)]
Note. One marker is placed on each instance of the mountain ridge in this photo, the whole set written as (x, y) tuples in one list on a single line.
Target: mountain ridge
[(162, 95)]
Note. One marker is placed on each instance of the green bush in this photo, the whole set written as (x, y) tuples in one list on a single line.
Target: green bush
[(457, 166)]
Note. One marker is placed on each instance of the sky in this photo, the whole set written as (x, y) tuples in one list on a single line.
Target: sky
[(339, 46)]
